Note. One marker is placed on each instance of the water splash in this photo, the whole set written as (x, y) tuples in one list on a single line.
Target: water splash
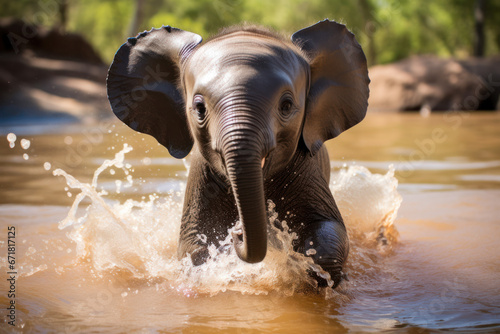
[(11, 138), (25, 144), (369, 203), (140, 238)]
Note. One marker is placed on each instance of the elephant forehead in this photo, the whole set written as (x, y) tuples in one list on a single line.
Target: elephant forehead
[(241, 76), (245, 50), (243, 62)]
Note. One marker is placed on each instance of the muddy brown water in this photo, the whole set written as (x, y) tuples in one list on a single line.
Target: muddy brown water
[(110, 265)]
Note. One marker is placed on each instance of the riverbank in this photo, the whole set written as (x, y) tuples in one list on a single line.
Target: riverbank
[(47, 76), (50, 77)]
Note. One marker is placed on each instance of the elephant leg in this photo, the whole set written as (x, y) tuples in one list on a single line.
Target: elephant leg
[(327, 243), (208, 210), (189, 243), (200, 255), (198, 232)]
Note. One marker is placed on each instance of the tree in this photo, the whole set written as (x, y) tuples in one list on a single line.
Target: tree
[(63, 14), (137, 16), (479, 28)]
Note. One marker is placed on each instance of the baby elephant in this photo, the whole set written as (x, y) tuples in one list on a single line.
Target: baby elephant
[(257, 108)]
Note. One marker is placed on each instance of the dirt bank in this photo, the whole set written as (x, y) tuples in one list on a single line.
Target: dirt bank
[(47, 76), (430, 83)]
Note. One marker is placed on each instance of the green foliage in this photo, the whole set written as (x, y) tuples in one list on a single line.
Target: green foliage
[(388, 30), (32, 11), (103, 23)]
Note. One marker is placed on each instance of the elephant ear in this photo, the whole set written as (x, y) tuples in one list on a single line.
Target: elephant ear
[(143, 86), (338, 93)]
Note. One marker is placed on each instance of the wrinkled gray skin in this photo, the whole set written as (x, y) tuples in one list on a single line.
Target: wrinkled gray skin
[(257, 109)]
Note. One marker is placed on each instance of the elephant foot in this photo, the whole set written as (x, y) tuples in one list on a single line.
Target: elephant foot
[(200, 256), (327, 243), (335, 271)]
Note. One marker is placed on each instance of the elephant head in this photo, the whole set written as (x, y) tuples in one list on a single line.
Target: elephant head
[(246, 98)]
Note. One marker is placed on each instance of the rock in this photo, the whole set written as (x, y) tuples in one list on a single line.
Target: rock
[(19, 37), (489, 70), (430, 83), (48, 77)]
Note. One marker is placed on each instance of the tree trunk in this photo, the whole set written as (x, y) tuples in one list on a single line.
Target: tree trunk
[(63, 15), (479, 28), (137, 17), (370, 26)]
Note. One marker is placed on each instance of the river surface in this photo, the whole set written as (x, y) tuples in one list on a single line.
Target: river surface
[(96, 212)]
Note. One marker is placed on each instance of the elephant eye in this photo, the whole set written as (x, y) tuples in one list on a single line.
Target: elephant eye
[(199, 106), (286, 106)]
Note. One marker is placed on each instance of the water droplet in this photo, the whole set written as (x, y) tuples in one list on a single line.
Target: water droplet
[(69, 194), (147, 161), (68, 140), (112, 171), (47, 166), (25, 143), (202, 237), (30, 251), (124, 294), (310, 251), (118, 184), (26, 156), (11, 138)]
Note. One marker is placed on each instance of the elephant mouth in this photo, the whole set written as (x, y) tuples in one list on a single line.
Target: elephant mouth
[(265, 165)]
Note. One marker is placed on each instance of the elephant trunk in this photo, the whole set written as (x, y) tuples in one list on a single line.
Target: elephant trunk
[(243, 155)]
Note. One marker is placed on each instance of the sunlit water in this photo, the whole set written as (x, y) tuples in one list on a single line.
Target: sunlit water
[(97, 213)]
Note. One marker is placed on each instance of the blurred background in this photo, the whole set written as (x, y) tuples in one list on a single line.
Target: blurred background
[(388, 30), (423, 56), (434, 67)]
